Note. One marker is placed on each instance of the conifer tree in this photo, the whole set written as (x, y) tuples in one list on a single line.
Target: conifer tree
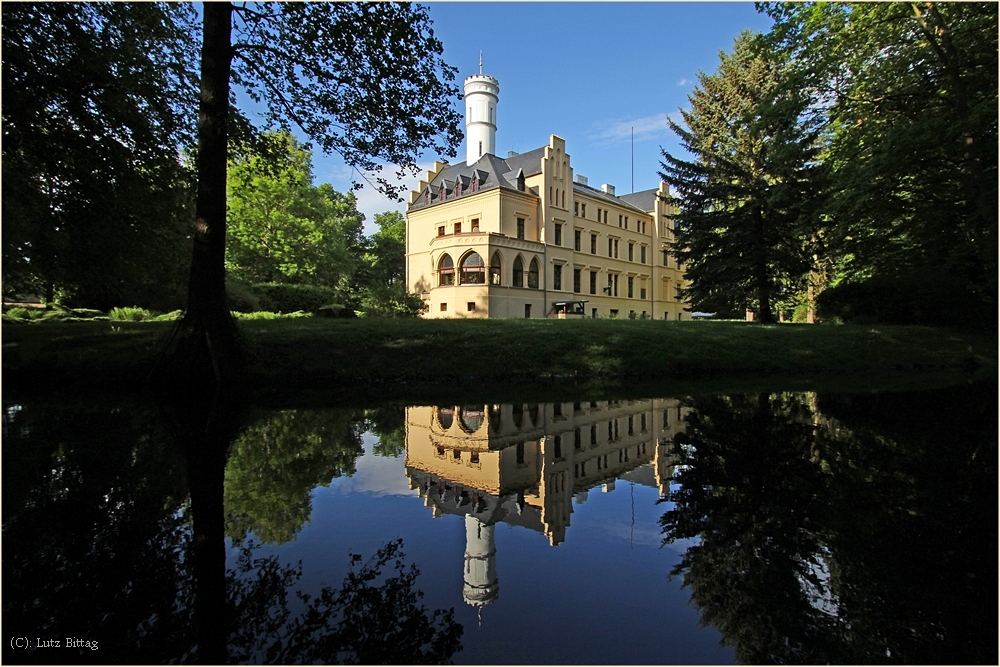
[(745, 228)]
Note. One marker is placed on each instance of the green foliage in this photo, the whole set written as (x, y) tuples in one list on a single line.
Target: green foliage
[(390, 301), (128, 314), (283, 229), (277, 461), (85, 313), (908, 92), (268, 315), (240, 297), (98, 99), (22, 313), (283, 298), (746, 216), (907, 299), (167, 317), (365, 81)]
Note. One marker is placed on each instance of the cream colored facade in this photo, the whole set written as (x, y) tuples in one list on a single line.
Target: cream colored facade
[(537, 457), (521, 237), (526, 465)]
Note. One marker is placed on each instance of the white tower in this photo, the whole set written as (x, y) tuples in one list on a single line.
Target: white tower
[(482, 92), (481, 585)]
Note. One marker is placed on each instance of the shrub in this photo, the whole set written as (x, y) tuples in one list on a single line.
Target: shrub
[(906, 299), (167, 317), (128, 314), (268, 315), (390, 301), (22, 313), (283, 298), (241, 297), (86, 313)]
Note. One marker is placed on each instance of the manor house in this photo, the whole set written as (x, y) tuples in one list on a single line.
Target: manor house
[(522, 236)]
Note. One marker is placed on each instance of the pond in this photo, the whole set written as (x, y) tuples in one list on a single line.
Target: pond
[(801, 527)]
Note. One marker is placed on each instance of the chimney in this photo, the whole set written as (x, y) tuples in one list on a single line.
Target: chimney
[(608, 189), (511, 154), (582, 180)]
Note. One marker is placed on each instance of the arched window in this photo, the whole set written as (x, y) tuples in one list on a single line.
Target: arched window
[(495, 269), (446, 416), (533, 274), (473, 269), (470, 418), (518, 272), (446, 271)]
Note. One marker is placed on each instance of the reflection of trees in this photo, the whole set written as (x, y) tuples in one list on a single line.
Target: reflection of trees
[(373, 618), (749, 489), (98, 544), (95, 532), (388, 424), (276, 462), (915, 532), (834, 539)]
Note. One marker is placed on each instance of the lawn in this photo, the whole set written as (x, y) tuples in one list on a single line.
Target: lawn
[(317, 352)]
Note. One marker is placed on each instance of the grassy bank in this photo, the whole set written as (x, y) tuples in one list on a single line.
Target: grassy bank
[(358, 355)]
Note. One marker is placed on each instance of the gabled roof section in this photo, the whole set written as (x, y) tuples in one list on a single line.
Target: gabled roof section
[(487, 173), (644, 199), (530, 162), (600, 194)]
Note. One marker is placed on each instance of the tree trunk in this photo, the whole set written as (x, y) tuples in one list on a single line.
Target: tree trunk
[(766, 316), (207, 346)]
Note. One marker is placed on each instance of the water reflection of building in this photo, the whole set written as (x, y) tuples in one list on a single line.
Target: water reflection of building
[(525, 464)]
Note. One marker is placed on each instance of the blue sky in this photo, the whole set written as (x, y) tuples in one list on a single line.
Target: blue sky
[(620, 65)]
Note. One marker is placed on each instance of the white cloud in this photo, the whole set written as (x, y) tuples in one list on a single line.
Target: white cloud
[(617, 131), (370, 200), (682, 82)]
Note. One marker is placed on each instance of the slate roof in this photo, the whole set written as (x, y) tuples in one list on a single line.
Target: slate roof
[(644, 199), (601, 194), (492, 172), (489, 171)]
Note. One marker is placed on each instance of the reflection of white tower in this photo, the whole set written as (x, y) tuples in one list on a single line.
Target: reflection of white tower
[(482, 92), (481, 587)]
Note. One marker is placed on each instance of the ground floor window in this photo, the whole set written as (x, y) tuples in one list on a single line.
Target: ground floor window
[(533, 274), (527, 310), (557, 276), (473, 269), (518, 273), (446, 271)]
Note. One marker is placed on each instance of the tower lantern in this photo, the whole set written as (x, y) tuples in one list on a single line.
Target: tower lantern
[(482, 92)]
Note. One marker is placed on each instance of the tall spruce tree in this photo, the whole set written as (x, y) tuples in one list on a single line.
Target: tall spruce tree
[(745, 229)]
